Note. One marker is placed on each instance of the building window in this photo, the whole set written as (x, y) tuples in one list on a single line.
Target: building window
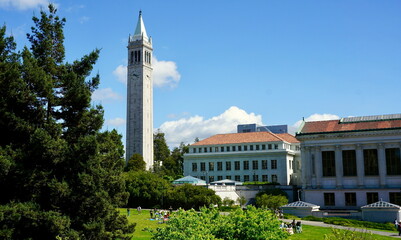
[(246, 165), (269, 146), (210, 149), (211, 166), (236, 165), (274, 164), (219, 166), (194, 167), (228, 148), (329, 199), (194, 150), (251, 148), (228, 166), (203, 166), (132, 57), (222, 149), (238, 178), (264, 178), (205, 149), (264, 164), (274, 178), (203, 178), (350, 199), (255, 165), (393, 161), (216, 149), (263, 147), (349, 162), (329, 164), (211, 179), (371, 162), (275, 146), (219, 178), (245, 148), (395, 197), (233, 147), (228, 177), (200, 150), (239, 148), (255, 178), (246, 178), (372, 197), (257, 147)]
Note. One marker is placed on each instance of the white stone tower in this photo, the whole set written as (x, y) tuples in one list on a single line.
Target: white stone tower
[(140, 95)]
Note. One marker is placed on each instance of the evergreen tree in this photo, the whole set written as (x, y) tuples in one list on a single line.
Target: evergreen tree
[(136, 163), (161, 150), (59, 175)]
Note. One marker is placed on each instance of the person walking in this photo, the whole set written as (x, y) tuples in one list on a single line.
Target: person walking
[(399, 228)]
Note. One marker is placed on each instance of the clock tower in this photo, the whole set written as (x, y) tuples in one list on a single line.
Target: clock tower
[(140, 95)]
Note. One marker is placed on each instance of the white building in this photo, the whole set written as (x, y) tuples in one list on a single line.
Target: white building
[(253, 156), (140, 95), (351, 162)]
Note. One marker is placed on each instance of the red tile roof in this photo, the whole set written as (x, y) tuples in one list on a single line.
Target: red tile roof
[(337, 126), (251, 137)]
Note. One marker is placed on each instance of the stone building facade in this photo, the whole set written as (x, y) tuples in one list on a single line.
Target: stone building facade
[(351, 162)]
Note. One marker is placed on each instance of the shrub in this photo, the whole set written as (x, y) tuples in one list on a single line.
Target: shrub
[(210, 224)]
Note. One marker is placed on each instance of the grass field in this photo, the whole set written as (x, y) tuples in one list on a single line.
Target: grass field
[(317, 233), (142, 221)]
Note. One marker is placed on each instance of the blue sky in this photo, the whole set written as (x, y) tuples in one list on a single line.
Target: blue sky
[(220, 63)]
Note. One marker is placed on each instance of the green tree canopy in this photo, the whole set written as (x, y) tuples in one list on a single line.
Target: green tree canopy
[(189, 196), (145, 189), (136, 163), (271, 201), (59, 175)]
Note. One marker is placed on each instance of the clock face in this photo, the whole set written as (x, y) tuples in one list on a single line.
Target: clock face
[(135, 73)]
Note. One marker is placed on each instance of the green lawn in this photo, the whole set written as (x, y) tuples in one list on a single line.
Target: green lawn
[(142, 221), (317, 233)]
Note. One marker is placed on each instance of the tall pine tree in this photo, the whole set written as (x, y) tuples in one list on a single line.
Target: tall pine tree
[(59, 175)]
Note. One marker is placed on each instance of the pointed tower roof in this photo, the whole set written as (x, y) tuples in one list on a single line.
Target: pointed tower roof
[(140, 29)]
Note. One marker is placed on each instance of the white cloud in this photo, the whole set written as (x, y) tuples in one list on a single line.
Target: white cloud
[(22, 4), (312, 118), (165, 73), (116, 122), (121, 73), (187, 129), (83, 19), (105, 94)]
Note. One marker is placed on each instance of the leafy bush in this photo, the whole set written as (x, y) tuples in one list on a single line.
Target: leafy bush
[(227, 208), (260, 183), (290, 216), (312, 218), (352, 223), (210, 224)]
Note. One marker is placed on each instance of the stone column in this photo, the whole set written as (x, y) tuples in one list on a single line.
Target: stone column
[(339, 167), (382, 164), (318, 167), (360, 170), (304, 166)]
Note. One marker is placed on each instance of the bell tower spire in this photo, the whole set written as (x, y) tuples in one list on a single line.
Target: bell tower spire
[(140, 95)]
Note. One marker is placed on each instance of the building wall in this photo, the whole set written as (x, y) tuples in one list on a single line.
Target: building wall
[(283, 157), (315, 184)]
